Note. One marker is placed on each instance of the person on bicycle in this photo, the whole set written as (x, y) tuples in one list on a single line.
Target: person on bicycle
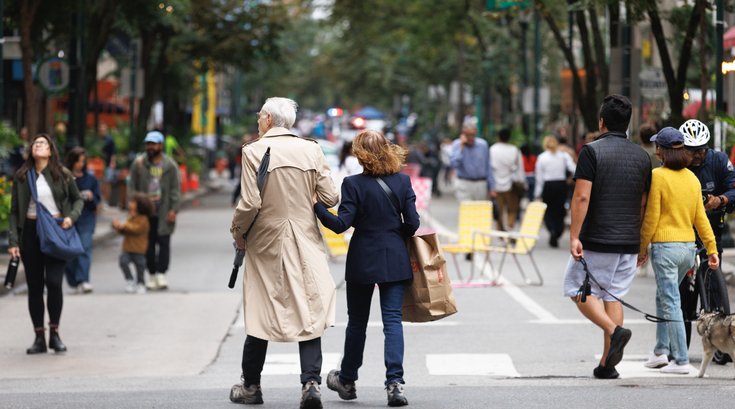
[(717, 177)]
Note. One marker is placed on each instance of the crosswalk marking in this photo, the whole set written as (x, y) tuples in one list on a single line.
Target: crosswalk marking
[(497, 365), (289, 364)]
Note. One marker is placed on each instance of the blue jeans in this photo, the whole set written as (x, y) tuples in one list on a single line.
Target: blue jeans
[(77, 270), (670, 262), (359, 297)]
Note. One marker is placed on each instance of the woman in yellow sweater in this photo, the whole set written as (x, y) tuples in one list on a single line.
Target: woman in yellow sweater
[(674, 206)]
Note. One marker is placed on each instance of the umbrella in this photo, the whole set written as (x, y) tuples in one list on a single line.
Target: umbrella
[(370, 112), (728, 40), (262, 177), (692, 110)]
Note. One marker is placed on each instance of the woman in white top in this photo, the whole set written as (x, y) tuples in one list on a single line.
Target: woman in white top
[(58, 193), (551, 186), (348, 163)]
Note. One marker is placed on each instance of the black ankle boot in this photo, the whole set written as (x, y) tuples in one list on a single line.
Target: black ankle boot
[(54, 342), (39, 345)]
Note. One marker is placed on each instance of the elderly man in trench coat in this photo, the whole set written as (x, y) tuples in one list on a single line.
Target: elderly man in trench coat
[(289, 293)]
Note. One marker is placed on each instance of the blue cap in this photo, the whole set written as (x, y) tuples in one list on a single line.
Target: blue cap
[(153, 137), (669, 138)]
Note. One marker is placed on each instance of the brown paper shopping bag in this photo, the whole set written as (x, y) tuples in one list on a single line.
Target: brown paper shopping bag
[(429, 297)]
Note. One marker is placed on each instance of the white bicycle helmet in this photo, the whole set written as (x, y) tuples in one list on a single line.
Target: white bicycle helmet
[(695, 133)]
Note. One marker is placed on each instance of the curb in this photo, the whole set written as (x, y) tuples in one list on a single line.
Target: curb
[(20, 279)]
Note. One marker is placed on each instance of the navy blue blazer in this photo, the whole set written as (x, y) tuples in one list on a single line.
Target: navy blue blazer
[(377, 252)]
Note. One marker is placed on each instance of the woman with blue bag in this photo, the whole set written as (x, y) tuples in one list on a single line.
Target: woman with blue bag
[(55, 191), (77, 269)]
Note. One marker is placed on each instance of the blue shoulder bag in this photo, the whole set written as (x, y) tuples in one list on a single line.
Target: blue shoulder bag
[(55, 241)]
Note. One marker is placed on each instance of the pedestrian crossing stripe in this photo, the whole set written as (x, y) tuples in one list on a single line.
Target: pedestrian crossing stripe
[(494, 365), (289, 364), (240, 323)]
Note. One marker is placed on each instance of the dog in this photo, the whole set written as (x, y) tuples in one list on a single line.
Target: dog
[(718, 332)]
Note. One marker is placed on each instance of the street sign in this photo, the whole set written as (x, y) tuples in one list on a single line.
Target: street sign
[(53, 75), (652, 83)]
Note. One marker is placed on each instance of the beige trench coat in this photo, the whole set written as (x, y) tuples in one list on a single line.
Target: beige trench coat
[(289, 294)]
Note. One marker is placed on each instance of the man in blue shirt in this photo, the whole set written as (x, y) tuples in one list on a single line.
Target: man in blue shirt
[(470, 159)]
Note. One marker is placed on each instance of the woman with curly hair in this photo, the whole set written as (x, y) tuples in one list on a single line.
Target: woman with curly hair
[(377, 255)]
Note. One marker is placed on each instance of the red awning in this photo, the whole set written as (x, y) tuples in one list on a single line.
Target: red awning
[(728, 40)]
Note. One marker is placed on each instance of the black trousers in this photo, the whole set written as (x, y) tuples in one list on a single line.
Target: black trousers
[(253, 359), (555, 195), (157, 261), (41, 271)]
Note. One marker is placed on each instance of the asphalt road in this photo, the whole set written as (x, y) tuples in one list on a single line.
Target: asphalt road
[(509, 346)]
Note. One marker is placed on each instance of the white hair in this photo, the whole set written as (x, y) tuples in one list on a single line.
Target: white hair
[(282, 110)]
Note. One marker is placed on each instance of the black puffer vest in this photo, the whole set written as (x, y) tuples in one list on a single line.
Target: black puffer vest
[(622, 175)]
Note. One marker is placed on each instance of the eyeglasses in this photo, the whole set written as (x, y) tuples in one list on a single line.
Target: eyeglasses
[(41, 142)]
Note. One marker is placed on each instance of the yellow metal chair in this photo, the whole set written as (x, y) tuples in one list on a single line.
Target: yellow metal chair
[(517, 243), (474, 217), (337, 244)]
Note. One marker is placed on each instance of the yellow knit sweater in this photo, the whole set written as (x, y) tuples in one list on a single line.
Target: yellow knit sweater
[(674, 205)]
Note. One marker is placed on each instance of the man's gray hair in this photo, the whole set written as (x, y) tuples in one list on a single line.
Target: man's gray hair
[(282, 110)]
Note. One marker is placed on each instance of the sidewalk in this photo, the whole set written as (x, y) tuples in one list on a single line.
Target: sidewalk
[(102, 231)]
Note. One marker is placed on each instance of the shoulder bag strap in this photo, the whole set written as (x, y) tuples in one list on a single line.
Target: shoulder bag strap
[(391, 196)]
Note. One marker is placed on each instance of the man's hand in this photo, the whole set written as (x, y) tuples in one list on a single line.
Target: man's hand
[(713, 260), (314, 199), (241, 244), (492, 194), (115, 223), (14, 252), (642, 258), (171, 216), (463, 139), (713, 202), (575, 247), (66, 223)]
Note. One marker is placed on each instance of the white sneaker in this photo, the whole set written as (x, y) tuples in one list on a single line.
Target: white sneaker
[(140, 289), (86, 287), (674, 368), (152, 283), (161, 281), (657, 361), (130, 286)]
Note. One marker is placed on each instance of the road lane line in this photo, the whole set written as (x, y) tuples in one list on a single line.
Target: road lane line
[(542, 315)]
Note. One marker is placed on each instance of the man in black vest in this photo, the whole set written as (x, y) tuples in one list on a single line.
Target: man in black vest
[(612, 180)]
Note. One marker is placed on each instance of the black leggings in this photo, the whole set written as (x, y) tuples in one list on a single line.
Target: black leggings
[(41, 270)]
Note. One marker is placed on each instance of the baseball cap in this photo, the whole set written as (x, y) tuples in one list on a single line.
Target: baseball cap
[(157, 137), (669, 138)]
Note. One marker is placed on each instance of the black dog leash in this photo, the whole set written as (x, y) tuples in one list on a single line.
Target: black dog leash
[(586, 289)]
